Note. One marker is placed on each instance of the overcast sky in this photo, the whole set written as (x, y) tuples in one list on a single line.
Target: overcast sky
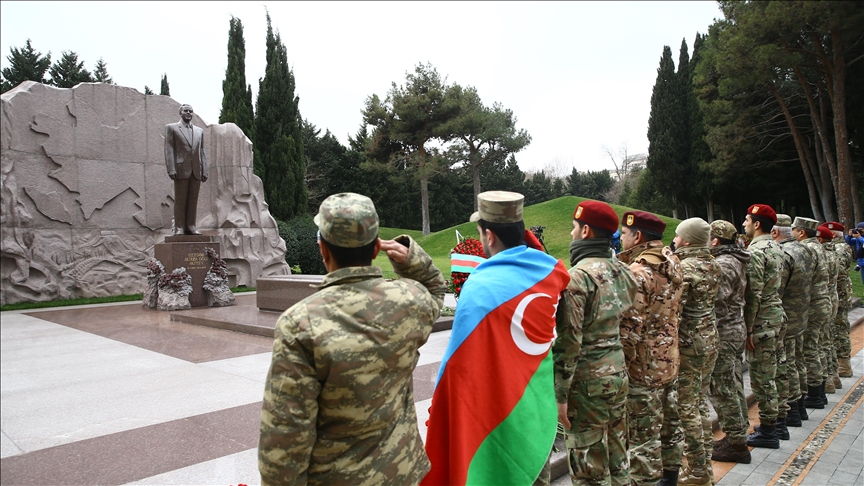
[(577, 75)]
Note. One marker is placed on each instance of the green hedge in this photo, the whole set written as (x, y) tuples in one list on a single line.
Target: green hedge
[(300, 235)]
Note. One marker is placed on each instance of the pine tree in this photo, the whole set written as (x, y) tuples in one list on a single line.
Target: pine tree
[(664, 130), (100, 72), (278, 136), (236, 94), (68, 71), (148, 91), (26, 65), (164, 89)]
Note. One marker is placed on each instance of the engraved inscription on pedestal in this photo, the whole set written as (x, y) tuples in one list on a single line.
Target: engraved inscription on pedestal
[(192, 256)]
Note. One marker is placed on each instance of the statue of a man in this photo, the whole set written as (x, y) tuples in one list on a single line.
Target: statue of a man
[(187, 166)]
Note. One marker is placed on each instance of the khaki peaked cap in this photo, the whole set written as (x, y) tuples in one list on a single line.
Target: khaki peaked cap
[(499, 207)]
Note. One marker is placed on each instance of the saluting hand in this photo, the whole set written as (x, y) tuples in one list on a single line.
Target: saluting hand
[(395, 251)]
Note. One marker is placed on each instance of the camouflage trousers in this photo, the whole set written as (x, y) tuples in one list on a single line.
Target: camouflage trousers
[(694, 380), (654, 432), (727, 392), (827, 351), (800, 366), (545, 476), (597, 440), (812, 352), (781, 376), (793, 368), (763, 371), (842, 342)]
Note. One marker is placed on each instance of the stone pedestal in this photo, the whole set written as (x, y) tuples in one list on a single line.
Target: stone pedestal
[(281, 292), (188, 251)]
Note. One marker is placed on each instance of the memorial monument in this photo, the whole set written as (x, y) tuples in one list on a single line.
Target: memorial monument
[(85, 197)]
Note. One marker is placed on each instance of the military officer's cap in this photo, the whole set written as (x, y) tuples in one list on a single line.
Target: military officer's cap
[(723, 229), (764, 211), (835, 226), (805, 223), (783, 220), (640, 220), (597, 214), (347, 220), (499, 207)]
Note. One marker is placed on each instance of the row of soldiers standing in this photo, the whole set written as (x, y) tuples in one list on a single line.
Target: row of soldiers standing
[(700, 305)]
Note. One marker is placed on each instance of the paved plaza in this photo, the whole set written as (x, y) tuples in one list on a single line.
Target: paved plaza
[(117, 394)]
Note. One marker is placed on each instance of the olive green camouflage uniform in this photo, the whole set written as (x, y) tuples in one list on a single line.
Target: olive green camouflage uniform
[(590, 374), (649, 335), (698, 343), (820, 312), (845, 259), (796, 286), (338, 406), (763, 314), (727, 382), (828, 353)]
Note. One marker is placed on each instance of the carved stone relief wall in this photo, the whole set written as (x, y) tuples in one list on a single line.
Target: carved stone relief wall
[(85, 193)]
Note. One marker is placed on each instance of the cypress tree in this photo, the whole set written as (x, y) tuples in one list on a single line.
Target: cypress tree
[(164, 89), (278, 136), (236, 94), (664, 130), (25, 65)]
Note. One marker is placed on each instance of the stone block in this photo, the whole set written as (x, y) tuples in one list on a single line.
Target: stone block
[(281, 292), (191, 256)]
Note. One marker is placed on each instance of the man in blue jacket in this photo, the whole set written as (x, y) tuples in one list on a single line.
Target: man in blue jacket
[(855, 239)]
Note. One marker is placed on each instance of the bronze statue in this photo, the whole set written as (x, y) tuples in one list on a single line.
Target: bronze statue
[(187, 167)]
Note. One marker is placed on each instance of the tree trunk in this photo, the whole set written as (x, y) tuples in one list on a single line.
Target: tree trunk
[(802, 155), (710, 205), (827, 194), (475, 170), (674, 207), (845, 171), (424, 201)]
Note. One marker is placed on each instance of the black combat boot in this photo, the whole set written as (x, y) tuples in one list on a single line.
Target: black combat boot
[(765, 436), (793, 418), (822, 391), (813, 399), (670, 478), (782, 430), (802, 410)]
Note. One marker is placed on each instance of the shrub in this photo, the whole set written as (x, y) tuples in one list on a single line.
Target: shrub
[(300, 235)]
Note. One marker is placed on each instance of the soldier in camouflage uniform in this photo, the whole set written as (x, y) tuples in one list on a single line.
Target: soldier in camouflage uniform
[(727, 382), (828, 354), (649, 335), (697, 341), (796, 285), (804, 230), (842, 343), (590, 376), (763, 314), (338, 406)]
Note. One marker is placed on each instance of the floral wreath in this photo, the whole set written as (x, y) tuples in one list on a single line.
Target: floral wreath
[(464, 257)]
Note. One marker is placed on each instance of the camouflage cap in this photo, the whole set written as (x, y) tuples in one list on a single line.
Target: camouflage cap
[(783, 220), (723, 229), (499, 207), (348, 220), (805, 223)]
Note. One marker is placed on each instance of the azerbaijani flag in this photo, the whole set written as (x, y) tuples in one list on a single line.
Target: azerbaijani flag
[(464, 263), (493, 417)]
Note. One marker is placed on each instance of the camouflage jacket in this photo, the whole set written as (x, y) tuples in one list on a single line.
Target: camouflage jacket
[(697, 331), (833, 269), (763, 311), (729, 303), (845, 258), (820, 299), (588, 345), (338, 406), (649, 330), (796, 284)]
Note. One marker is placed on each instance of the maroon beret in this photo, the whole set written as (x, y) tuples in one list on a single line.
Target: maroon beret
[(824, 232), (764, 211), (834, 226), (597, 214), (641, 220)]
